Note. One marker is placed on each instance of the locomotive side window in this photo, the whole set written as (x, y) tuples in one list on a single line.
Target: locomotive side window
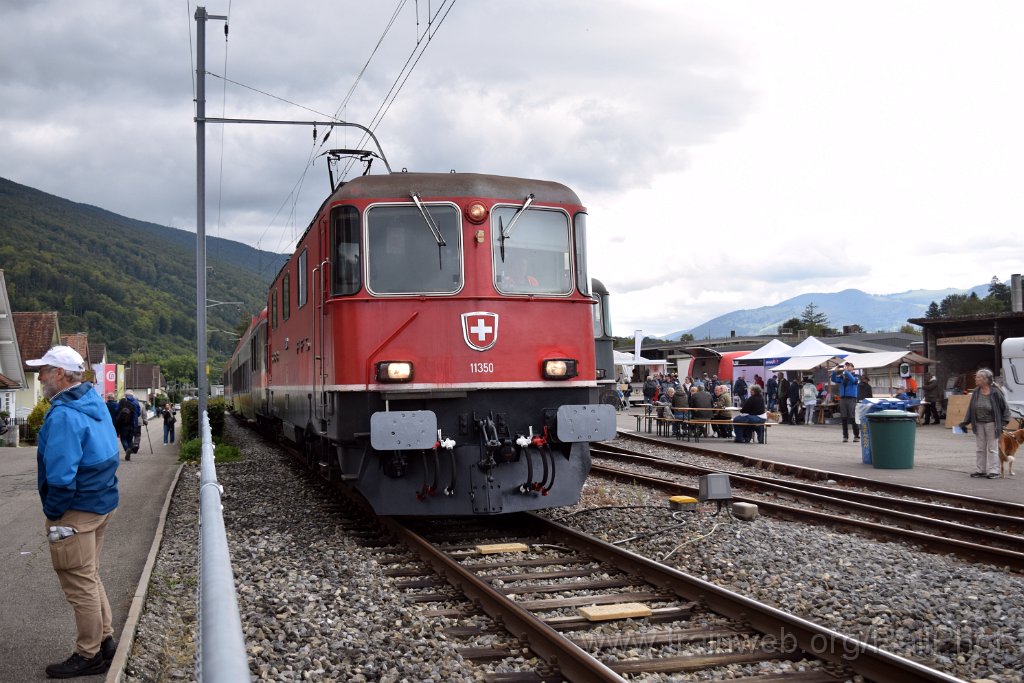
[(302, 279), (405, 257), (286, 306), (346, 271), (532, 257), (273, 308), (580, 230)]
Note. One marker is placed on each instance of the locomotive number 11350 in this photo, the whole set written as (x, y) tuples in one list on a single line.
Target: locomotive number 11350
[(481, 368)]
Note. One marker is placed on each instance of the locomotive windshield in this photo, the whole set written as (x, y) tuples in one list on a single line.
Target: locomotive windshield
[(403, 255), (534, 259)]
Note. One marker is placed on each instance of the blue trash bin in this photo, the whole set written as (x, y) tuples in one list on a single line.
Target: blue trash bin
[(873, 405)]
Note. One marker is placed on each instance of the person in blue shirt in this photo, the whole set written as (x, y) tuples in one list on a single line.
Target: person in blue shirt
[(77, 461), (847, 381)]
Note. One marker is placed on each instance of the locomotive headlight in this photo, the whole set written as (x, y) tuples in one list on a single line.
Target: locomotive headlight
[(476, 213), (394, 371), (559, 368)]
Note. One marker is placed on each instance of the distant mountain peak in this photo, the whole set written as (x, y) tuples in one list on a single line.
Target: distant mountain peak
[(873, 312)]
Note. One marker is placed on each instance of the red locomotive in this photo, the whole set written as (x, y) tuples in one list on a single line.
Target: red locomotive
[(431, 342)]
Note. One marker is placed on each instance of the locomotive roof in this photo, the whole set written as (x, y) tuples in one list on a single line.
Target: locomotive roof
[(401, 185)]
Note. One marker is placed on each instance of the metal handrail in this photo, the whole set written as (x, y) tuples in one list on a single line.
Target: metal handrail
[(221, 652)]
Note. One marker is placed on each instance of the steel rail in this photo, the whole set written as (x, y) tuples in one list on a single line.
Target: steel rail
[(788, 630), (571, 660), (974, 551), (763, 484), (998, 506)]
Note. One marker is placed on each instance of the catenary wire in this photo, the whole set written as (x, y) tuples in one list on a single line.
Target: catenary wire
[(403, 76)]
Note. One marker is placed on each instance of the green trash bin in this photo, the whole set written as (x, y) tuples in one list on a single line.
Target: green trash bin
[(892, 439)]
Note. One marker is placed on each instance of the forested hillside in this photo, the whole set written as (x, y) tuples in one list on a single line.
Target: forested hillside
[(128, 283)]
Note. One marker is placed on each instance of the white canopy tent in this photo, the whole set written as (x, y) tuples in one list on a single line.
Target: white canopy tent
[(773, 349), (809, 354), (627, 360), (803, 364), (812, 346)]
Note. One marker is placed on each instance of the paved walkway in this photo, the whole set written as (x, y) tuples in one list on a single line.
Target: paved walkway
[(36, 623), (942, 460)]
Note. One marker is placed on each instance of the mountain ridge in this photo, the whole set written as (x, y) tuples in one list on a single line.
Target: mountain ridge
[(873, 312), (129, 284)]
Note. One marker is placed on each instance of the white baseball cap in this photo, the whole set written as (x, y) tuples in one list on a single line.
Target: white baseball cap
[(63, 357)]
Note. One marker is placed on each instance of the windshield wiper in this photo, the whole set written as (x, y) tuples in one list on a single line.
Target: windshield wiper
[(506, 233), (429, 220)]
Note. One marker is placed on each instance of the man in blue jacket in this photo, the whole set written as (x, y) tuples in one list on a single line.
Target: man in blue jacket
[(847, 381), (77, 464)]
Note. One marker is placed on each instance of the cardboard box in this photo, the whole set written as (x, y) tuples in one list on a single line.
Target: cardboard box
[(956, 408)]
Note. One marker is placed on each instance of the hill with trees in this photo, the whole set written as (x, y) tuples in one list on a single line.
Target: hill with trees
[(127, 283)]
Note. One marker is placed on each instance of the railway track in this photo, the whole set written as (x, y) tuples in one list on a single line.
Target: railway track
[(515, 615), (534, 598), (840, 480), (692, 626), (906, 513)]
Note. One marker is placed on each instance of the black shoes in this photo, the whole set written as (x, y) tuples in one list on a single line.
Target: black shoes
[(108, 648), (978, 475), (992, 476), (77, 665)]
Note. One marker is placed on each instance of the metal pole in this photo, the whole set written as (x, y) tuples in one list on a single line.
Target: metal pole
[(201, 17)]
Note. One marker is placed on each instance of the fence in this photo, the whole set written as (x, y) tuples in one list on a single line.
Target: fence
[(221, 655)]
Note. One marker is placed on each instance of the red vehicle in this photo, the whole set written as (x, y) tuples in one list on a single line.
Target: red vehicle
[(431, 342)]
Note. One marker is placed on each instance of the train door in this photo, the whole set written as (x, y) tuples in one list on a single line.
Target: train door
[(318, 320)]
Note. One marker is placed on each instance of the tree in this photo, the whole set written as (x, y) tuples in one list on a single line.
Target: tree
[(813, 320), (686, 337), (998, 295), (812, 316), (179, 368), (933, 311), (910, 329), (791, 324)]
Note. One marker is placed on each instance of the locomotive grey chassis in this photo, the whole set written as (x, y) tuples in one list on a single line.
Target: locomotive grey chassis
[(487, 461)]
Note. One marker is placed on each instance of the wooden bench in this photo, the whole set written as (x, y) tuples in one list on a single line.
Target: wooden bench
[(664, 425)]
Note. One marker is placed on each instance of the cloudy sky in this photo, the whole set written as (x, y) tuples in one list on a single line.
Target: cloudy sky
[(731, 154)]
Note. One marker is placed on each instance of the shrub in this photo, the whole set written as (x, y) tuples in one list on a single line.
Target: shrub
[(190, 418), (36, 417), (192, 451)]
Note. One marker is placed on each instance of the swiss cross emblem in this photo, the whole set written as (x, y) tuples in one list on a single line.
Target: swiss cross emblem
[(480, 330)]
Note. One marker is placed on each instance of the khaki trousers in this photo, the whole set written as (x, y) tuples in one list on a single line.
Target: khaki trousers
[(986, 443), (76, 560)]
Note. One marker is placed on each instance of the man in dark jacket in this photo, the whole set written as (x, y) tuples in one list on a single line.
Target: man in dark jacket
[(932, 398), (112, 407), (77, 465), (739, 389), (794, 401), (784, 398), (127, 423)]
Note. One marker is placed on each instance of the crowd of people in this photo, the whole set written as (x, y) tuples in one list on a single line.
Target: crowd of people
[(791, 401)]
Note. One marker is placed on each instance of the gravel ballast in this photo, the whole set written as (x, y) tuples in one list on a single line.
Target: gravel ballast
[(316, 604)]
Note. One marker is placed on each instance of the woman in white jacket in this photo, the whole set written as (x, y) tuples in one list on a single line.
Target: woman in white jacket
[(809, 396)]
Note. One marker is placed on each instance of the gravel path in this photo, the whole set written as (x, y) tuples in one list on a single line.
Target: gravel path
[(316, 605)]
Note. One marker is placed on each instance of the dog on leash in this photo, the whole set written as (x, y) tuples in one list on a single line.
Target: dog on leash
[(1009, 442)]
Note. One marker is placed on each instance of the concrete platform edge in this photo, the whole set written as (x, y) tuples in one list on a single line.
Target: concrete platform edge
[(116, 672)]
